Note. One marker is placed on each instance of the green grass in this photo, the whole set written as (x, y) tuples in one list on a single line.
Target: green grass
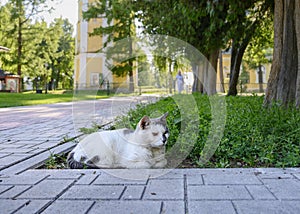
[(254, 136), (31, 98)]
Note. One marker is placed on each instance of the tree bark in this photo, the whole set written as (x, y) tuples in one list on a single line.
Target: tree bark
[(170, 78), (211, 73), (260, 79), (286, 89), (297, 27), (130, 73), (284, 81), (222, 88), (198, 76), (271, 91), (236, 61)]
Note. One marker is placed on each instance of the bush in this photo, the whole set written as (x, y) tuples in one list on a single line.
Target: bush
[(254, 136)]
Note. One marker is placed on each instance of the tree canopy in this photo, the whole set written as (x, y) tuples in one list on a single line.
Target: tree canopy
[(36, 49)]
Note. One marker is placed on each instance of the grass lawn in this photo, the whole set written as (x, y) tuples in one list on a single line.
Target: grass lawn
[(254, 136), (31, 98)]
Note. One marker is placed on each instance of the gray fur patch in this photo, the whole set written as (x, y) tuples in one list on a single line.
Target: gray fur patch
[(127, 131), (73, 164), (94, 160)]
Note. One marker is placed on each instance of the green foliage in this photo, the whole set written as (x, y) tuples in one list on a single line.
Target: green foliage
[(254, 136), (56, 161), (36, 49)]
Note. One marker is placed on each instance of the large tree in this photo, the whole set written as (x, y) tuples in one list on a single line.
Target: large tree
[(245, 21), (21, 14), (284, 80), (47, 51), (208, 25)]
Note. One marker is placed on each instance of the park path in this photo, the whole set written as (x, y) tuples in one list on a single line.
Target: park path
[(28, 135)]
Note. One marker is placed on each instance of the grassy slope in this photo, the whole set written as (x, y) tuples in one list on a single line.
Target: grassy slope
[(254, 136), (31, 98)]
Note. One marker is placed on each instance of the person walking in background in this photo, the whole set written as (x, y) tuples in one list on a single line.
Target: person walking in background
[(180, 82)]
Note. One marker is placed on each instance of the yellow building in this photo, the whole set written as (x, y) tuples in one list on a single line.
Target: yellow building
[(252, 81), (90, 68)]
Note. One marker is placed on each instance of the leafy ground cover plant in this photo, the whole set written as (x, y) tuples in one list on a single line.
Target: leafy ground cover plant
[(254, 136)]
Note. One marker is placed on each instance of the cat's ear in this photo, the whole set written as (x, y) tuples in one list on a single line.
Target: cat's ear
[(164, 117), (144, 122)]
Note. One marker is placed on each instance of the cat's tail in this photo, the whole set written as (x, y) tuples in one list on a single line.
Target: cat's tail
[(73, 164)]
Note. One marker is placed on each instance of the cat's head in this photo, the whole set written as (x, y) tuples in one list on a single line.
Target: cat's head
[(153, 131)]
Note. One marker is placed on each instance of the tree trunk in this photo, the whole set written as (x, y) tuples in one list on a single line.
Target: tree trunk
[(130, 73), (236, 61), (211, 73), (222, 88), (238, 50), (286, 89), (198, 77), (297, 26), (20, 46), (284, 82), (260, 79), (271, 91), (170, 78)]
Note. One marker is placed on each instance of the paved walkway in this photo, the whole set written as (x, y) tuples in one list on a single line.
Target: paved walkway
[(28, 135)]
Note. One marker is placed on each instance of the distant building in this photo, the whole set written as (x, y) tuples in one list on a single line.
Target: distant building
[(249, 77), (90, 68)]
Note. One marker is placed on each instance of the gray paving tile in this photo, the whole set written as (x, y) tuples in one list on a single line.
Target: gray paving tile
[(93, 192), (22, 179), (133, 192), (16, 150), (46, 189), (284, 188), (105, 178), (9, 205), (194, 178), (209, 207), (166, 173), (32, 206), (55, 173), (65, 206), (10, 146), (4, 155), (173, 207), (165, 189), (232, 178), (87, 179), (276, 175), (4, 188), (126, 207), (260, 192), (139, 175), (8, 160), (16, 190), (217, 192), (297, 175), (276, 207)]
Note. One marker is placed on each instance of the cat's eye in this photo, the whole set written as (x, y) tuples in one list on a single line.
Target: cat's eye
[(155, 133)]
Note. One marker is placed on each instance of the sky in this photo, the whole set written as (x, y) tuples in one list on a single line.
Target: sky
[(66, 9), (63, 8)]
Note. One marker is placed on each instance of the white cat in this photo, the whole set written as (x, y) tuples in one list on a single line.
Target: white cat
[(143, 147)]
